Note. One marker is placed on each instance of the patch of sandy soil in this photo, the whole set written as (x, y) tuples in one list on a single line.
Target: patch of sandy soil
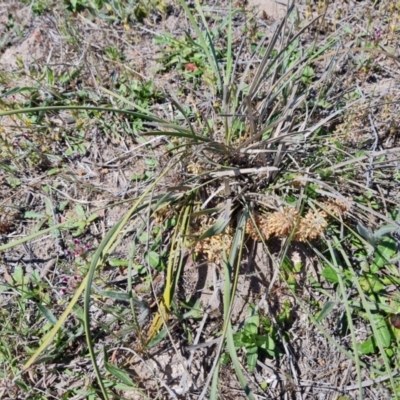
[(270, 8), (31, 50), (18, 52)]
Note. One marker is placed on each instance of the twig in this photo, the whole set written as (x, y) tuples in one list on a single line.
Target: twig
[(239, 171), (373, 381), (375, 145)]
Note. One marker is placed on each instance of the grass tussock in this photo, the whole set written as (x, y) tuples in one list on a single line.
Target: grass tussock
[(199, 201)]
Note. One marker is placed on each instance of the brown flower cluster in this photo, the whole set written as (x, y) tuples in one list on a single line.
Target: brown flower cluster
[(311, 226), (262, 223), (195, 168), (283, 223), (214, 246), (337, 207), (278, 223), (164, 213)]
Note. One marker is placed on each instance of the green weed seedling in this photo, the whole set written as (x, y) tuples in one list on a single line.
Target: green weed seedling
[(252, 341), (142, 93), (81, 221), (154, 256), (185, 54), (291, 269), (370, 346), (13, 182), (48, 217), (76, 144), (76, 6), (127, 11), (186, 311), (29, 287), (39, 7), (113, 53), (379, 274)]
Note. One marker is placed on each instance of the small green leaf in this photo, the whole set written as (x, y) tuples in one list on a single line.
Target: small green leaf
[(13, 182), (264, 385), (225, 359), (386, 229), (33, 215), (389, 352), (386, 249), (47, 314), (157, 339), (265, 342), (252, 361), (18, 89), (324, 104), (371, 283), (330, 275), (383, 333), (118, 263), (237, 339), (49, 207), (53, 171), (216, 229), (366, 233), (308, 74), (62, 205), (92, 218), (79, 312), (47, 327), (196, 311), (22, 385), (120, 374), (151, 162), (80, 211), (112, 294), (368, 347), (144, 238), (138, 177), (251, 328), (247, 339), (326, 309), (18, 275), (155, 260), (348, 29)]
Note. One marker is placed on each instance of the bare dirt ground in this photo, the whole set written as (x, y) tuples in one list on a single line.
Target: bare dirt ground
[(98, 172)]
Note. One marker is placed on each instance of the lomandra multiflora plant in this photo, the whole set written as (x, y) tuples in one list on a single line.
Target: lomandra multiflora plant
[(287, 221), (265, 225)]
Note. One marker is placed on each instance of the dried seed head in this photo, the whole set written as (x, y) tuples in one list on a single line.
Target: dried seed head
[(212, 246), (261, 220), (195, 168), (311, 226), (163, 213), (281, 223), (338, 207)]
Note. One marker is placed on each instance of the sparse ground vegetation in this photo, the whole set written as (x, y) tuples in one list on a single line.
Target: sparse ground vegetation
[(200, 200)]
